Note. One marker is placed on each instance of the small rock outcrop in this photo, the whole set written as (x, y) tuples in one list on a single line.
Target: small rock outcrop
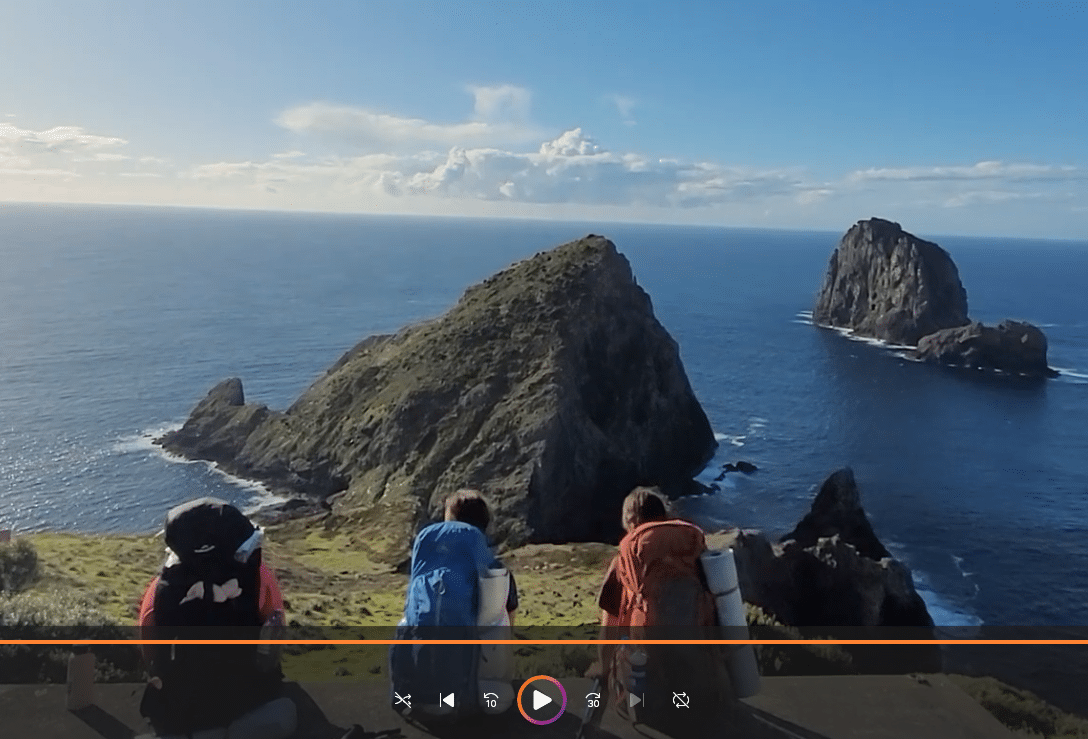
[(837, 511), (550, 386), (829, 572), (1011, 346), (887, 284)]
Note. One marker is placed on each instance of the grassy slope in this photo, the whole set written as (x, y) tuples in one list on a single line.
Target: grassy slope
[(331, 578)]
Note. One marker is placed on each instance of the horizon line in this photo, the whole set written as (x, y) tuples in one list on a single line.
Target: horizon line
[(533, 219)]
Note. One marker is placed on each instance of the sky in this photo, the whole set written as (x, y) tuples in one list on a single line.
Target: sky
[(951, 118)]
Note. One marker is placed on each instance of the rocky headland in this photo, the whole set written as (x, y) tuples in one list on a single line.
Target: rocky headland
[(550, 385), (885, 283)]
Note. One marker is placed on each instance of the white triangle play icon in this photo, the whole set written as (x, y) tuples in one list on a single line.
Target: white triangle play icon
[(633, 700), (540, 700)]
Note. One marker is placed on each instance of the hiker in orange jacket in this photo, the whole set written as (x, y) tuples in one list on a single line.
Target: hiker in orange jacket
[(642, 505), (655, 588)]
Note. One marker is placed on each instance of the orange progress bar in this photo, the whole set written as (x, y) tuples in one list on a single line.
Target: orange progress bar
[(587, 642)]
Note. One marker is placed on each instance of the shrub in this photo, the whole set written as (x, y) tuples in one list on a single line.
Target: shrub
[(18, 565), (1020, 710), (60, 614), (789, 659)]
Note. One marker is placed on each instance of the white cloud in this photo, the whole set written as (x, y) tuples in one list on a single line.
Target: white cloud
[(359, 125), (570, 144), (625, 105), (221, 170), (58, 136), (487, 166), (39, 172), (572, 168), (30, 158), (988, 197), (102, 157), (990, 170), (814, 195), (501, 102), (501, 117)]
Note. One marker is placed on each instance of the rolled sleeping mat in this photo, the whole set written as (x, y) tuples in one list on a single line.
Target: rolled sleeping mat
[(731, 615), (496, 660), (743, 671), (721, 574), (494, 588), (496, 696), (720, 570)]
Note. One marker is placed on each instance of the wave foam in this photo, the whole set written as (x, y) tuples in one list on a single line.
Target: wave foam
[(959, 566), (143, 441), (734, 439), (941, 609), (945, 614), (849, 334), (260, 496), (1072, 374)]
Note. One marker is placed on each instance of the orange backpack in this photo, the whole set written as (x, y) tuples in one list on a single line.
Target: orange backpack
[(665, 596), (662, 579)]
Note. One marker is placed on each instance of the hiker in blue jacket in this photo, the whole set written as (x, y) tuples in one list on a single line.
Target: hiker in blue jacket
[(448, 560), (469, 506)]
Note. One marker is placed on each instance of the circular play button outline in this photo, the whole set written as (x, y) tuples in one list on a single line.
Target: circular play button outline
[(562, 708)]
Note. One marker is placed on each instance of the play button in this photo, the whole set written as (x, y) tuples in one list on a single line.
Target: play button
[(542, 700)]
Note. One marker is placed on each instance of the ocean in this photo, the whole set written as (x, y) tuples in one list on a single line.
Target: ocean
[(115, 321)]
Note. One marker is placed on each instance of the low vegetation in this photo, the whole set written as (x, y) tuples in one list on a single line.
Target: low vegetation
[(18, 566), (1024, 713)]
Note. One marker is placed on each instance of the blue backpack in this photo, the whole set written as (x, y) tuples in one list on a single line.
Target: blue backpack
[(442, 599)]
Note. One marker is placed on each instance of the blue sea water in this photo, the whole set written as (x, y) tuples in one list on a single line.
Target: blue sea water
[(115, 321)]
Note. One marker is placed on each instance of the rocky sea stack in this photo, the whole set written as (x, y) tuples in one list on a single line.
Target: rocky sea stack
[(887, 284), (831, 571), (551, 386), (1011, 346)]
